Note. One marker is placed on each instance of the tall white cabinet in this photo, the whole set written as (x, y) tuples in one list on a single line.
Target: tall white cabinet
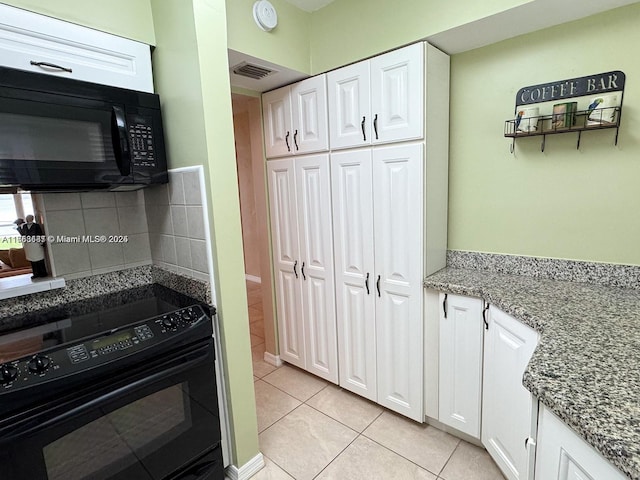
[(380, 205), (378, 224), (303, 262)]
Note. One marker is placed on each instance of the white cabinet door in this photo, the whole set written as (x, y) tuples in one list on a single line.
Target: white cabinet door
[(286, 260), (351, 180), (509, 411), (29, 41), (397, 94), (460, 363), (350, 123), (563, 455), (276, 113), (316, 268), (309, 110), (398, 231)]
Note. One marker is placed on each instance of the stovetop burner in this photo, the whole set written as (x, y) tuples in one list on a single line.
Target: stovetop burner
[(34, 332)]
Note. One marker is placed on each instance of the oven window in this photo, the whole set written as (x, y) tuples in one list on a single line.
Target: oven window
[(120, 439), (52, 139)]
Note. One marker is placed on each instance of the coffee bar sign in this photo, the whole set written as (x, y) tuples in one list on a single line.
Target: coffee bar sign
[(574, 87)]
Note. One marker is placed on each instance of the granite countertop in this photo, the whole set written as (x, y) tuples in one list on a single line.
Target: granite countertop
[(586, 368)]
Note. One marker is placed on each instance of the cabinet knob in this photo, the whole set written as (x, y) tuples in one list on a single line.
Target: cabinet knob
[(286, 139), (364, 135)]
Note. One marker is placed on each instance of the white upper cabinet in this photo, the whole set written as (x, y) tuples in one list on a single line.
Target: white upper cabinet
[(276, 110), (309, 107), (397, 94), (349, 106), (509, 411), (460, 363), (563, 455), (379, 100), (295, 118), (37, 43)]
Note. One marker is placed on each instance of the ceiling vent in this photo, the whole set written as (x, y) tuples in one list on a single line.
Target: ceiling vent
[(252, 70)]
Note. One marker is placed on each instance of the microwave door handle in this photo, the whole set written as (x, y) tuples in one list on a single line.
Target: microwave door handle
[(120, 140)]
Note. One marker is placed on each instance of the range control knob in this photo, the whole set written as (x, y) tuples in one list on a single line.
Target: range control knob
[(169, 322), (8, 373), (39, 364)]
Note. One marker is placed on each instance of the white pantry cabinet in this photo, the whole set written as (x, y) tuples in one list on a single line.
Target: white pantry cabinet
[(380, 100), (460, 362), (563, 455), (37, 43), (509, 410), (378, 224), (295, 118), (301, 226), (352, 193)]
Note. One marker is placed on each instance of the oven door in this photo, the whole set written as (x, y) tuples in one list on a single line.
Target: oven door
[(161, 424)]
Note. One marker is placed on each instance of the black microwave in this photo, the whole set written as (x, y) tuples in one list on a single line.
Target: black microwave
[(58, 134)]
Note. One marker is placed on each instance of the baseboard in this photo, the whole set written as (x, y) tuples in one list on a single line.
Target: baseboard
[(246, 471), (272, 359), (252, 278)]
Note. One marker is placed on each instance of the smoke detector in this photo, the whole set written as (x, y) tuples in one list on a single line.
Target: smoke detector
[(265, 15)]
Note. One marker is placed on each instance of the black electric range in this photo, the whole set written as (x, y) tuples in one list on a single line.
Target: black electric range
[(127, 379)]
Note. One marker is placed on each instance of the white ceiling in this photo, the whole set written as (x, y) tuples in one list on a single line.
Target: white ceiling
[(309, 5)]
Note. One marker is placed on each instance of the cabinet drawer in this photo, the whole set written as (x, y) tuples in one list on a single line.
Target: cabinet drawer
[(91, 55)]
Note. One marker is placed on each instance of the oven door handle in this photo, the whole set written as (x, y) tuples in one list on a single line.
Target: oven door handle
[(200, 471), (195, 358), (120, 140)]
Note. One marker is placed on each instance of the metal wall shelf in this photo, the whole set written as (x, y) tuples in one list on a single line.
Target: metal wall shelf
[(594, 88), (584, 120)]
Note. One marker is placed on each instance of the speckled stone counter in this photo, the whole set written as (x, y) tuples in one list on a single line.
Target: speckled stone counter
[(97, 285), (586, 368)]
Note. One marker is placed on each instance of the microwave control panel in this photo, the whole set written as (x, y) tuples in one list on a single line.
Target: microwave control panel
[(141, 141)]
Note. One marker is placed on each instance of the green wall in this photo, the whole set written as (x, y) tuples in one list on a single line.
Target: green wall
[(191, 76), (348, 30), (191, 73), (286, 45), (563, 203), (126, 18)]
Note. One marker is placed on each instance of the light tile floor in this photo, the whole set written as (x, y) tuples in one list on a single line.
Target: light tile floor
[(311, 429)]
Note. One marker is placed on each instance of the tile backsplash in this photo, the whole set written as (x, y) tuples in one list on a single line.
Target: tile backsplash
[(177, 225), (113, 214), (164, 225)]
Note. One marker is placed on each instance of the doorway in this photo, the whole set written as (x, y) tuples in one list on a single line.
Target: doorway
[(247, 123)]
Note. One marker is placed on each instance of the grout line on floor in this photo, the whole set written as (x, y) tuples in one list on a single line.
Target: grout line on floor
[(402, 456), (339, 453), (450, 457)]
